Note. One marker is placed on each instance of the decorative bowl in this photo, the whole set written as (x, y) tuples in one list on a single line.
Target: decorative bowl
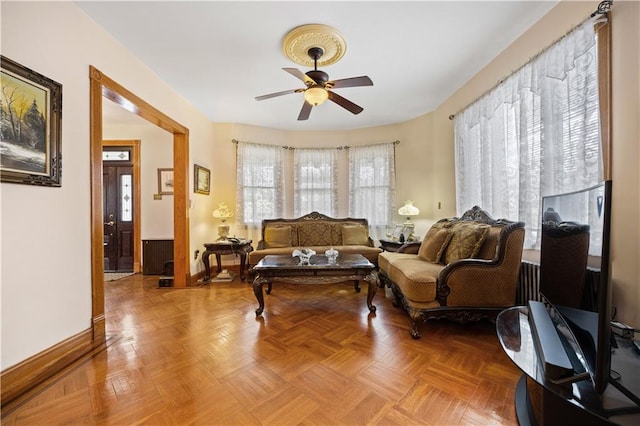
[(332, 255), (304, 255)]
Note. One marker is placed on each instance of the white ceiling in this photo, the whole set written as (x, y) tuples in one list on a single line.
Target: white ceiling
[(220, 55)]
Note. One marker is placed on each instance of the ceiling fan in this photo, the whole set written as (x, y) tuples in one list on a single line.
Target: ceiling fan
[(319, 88)]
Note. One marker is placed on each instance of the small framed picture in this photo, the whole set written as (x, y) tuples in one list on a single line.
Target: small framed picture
[(30, 126), (201, 180), (165, 181), (397, 230)]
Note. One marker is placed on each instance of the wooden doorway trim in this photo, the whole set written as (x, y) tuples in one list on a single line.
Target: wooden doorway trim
[(103, 86), (137, 241)]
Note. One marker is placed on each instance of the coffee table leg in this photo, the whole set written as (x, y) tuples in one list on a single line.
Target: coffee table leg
[(356, 285), (243, 261), (372, 279), (257, 290)]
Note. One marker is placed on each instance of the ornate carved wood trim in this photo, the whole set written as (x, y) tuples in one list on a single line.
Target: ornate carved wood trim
[(310, 217)]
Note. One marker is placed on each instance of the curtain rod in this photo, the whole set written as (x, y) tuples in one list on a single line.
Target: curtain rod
[(603, 8), (396, 142)]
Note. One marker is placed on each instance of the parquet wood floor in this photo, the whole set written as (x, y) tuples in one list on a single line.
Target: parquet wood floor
[(315, 357)]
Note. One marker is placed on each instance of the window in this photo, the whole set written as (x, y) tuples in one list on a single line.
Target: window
[(260, 182), (536, 134), (372, 185), (315, 181)]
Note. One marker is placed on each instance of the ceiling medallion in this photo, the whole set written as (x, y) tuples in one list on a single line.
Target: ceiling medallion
[(299, 40)]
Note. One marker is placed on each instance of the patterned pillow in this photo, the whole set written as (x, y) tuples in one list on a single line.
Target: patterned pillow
[(314, 234), (435, 242), (466, 241), (277, 236), (355, 235)]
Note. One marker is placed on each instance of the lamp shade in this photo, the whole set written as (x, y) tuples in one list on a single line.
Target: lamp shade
[(222, 212), (316, 95), (408, 209)]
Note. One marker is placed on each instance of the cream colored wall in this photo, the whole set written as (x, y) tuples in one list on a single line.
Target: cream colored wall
[(625, 107), (46, 236), (412, 177)]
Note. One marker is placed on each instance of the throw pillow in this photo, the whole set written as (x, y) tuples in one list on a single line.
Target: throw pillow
[(435, 243), (466, 241), (314, 234), (355, 235), (277, 236)]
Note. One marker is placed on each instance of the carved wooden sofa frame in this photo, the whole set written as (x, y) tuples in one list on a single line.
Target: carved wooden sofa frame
[(335, 237), (493, 276)]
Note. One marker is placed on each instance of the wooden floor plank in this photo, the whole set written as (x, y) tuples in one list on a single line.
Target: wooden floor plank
[(316, 356)]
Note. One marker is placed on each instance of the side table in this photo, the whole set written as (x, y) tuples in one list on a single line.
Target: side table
[(240, 248)]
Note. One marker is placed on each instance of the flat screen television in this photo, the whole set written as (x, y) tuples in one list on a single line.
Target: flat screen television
[(574, 287)]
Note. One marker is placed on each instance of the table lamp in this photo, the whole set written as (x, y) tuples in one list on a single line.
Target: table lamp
[(222, 212), (408, 210)]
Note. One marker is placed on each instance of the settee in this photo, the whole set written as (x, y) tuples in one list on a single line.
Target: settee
[(317, 232), (465, 269)]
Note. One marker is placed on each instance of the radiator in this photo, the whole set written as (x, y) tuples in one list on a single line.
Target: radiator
[(155, 253), (529, 286), (528, 283)]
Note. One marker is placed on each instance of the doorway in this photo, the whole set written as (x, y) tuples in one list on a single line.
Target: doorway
[(103, 86)]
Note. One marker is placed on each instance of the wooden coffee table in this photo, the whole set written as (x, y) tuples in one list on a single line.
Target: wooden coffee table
[(287, 268)]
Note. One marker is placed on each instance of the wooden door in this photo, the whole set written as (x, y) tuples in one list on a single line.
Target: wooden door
[(118, 217)]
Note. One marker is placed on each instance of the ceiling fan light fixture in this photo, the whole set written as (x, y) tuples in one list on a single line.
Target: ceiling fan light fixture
[(316, 95)]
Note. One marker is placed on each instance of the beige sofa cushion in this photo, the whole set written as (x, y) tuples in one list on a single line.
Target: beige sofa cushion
[(466, 241), (277, 236), (355, 235), (435, 243)]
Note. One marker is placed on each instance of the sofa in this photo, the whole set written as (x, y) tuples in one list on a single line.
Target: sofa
[(317, 232), (465, 269)]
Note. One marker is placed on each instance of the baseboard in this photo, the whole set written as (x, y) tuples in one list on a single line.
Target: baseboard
[(196, 277), (20, 380)]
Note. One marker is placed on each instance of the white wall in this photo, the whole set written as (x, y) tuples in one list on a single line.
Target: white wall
[(46, 277)]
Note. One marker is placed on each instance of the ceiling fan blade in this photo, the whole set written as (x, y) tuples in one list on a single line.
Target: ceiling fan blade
[(351, 82), (305, 111), (345, 103), (273, 95), (299, 74)]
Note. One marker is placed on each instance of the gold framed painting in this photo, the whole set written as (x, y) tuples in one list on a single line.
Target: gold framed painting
[(165, 181), (30, 126), (201, 180)]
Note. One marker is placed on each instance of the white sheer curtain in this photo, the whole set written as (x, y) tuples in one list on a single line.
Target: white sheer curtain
[(372, 186), (260, 184), (315, 181), (536, 134)]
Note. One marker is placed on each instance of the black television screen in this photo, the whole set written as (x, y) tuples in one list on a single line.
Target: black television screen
[(574, 276)]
